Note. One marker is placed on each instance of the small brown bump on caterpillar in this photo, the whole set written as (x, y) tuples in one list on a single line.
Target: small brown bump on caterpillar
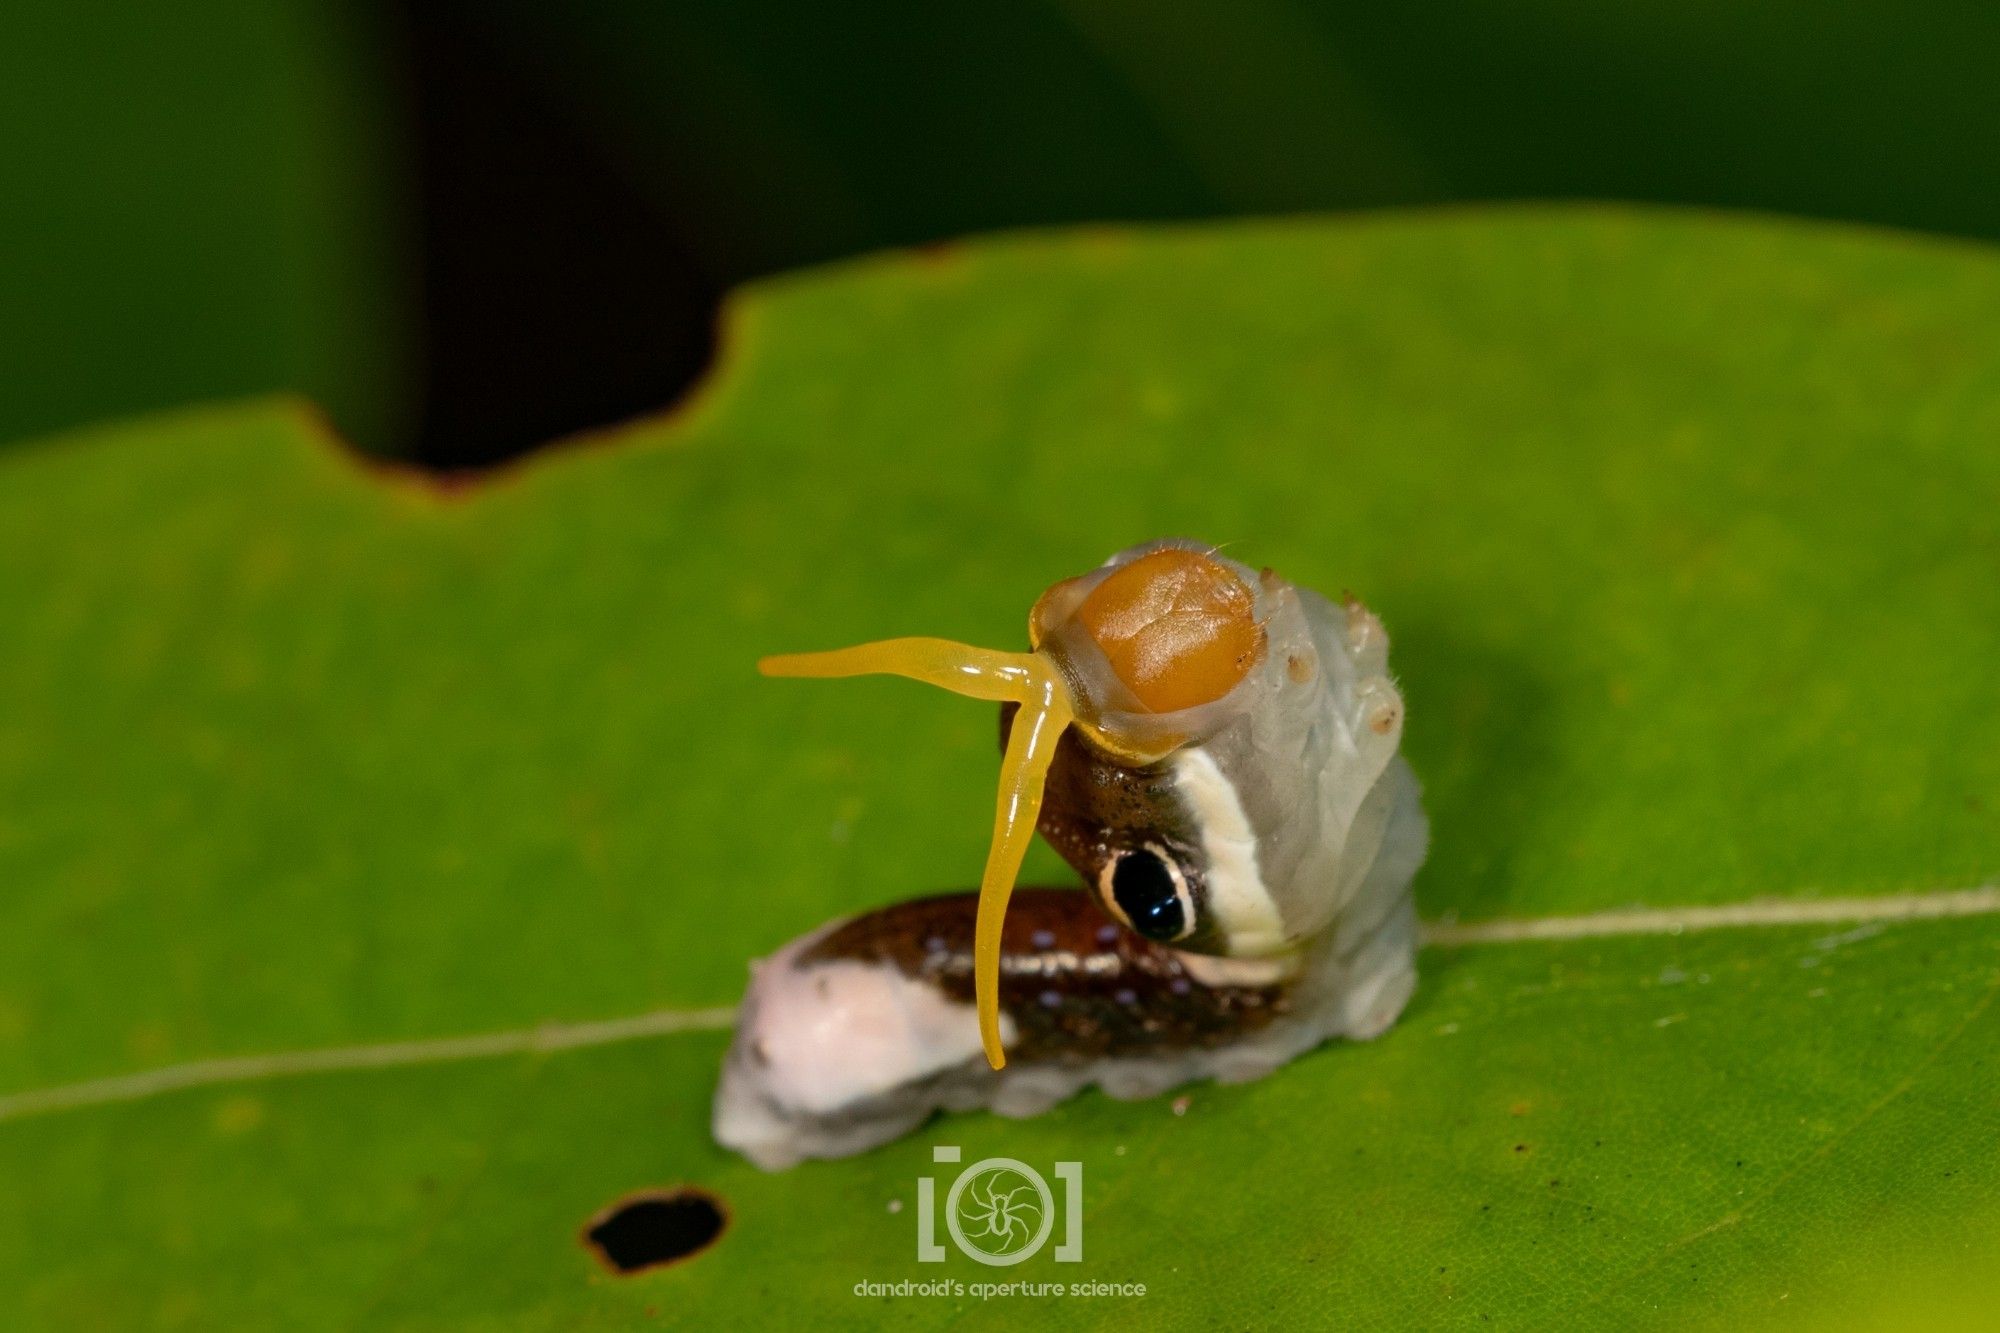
[(1365, 638), (1246, 869)]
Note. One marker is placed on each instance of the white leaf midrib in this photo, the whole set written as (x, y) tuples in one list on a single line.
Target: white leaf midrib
[(552, 1037)]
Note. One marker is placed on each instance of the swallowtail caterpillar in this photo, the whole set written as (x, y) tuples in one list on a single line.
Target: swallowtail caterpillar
[(1215, 751)]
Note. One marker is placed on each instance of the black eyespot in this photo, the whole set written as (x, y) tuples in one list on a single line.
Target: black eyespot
[(1146, 891)]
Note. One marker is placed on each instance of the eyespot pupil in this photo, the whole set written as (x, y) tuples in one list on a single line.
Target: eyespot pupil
[(1145, 890)]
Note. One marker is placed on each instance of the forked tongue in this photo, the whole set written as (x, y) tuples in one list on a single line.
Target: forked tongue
[(1028, 679)]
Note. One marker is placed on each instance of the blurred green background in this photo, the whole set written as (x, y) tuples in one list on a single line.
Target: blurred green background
[(466, 228)]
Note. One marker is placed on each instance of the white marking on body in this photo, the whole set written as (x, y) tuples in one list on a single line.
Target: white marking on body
[(837, 1032), (1237, 897), (1215, 972)]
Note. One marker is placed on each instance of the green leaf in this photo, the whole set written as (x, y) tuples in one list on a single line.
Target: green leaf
[(1683, 530)]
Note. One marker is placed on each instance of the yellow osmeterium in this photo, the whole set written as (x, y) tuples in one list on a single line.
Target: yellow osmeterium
[(1046, 709), (1178, 629)]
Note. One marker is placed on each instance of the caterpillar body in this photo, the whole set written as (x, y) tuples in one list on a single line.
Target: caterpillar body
[(1216, 752)]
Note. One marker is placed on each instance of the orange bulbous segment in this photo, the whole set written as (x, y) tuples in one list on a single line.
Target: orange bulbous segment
[(1177, 627)]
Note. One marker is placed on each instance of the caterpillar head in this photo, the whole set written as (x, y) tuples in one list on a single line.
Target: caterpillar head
[(1203, 735)]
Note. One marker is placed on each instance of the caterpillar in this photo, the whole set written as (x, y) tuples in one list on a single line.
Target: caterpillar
[(1216, 752)]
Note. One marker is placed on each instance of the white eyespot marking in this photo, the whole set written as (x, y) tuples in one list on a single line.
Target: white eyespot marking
[(1237, 897), (1108, 889)]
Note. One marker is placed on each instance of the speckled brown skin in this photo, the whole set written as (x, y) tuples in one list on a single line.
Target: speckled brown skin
[(1094, 807), (1077, 985)]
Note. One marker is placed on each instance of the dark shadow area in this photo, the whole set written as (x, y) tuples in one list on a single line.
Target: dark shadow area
[(588, 179), (468, 228), (648, 1230), (555, 296)]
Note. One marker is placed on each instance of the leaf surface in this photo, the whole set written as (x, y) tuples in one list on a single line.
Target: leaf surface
[(1683, 531)]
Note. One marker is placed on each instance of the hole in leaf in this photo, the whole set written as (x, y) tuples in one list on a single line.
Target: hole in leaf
[(657, 1227)]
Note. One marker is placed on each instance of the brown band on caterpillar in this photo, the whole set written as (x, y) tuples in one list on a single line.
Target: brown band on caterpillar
[(1076, 984), (1097, 807)]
